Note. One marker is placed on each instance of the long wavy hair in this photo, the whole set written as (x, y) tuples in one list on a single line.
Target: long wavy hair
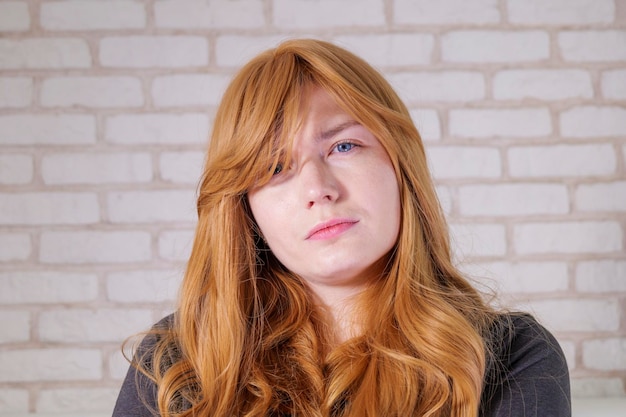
[(247, 338)]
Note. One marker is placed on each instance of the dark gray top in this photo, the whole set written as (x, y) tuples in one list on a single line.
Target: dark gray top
[(529, 378)]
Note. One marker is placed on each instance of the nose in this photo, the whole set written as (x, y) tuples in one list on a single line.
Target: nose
[(318, 184)]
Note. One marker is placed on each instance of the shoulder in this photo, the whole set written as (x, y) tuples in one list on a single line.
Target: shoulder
[(156, 333), (520, 339), (137, 396), (527, 374)]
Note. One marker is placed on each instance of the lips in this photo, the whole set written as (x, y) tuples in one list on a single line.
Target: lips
[(330, 229)]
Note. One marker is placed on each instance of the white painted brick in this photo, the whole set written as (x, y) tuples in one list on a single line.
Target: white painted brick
[(92, 15), (395, 49), (569, 350), (560, 12), (577, 315), (543, 84), (591, 122), (103, 325), (189, 89), (25, 287), (15, 92), (445, 198), (602, 197), (605, 354), (14, 247), (158, 128), (152, 206), (426, 12), (427, 123), (214, 14), (614, 84), (305, 14), (521, 277), (118, 365), (486, 123), (513, 199), (175, 245), (144, 286), (44, 53), (597, 387), (16, 169), (495, 46), (50, 365), (593, 46), (102, 168), (154, 51), (14, 16), (84, 247), (33, 129), (568, 237), (464, 162), (470, 240), (78, 400), (49, 208), (181, 167), (14, 326), (236, 50), (91, 92), (165, 311), (561, 161), (13, 400), (606, 276), (438, 86)]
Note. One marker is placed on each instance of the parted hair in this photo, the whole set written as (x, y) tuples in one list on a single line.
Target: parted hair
[(247, 338)]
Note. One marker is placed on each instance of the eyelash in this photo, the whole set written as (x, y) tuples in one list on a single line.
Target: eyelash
[(279, 167), (351, 144)]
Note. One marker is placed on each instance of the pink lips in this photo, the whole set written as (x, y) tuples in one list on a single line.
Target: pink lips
[(330, 229)]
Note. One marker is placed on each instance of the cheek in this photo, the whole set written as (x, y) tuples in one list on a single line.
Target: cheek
[(255, 200), (268, 215)]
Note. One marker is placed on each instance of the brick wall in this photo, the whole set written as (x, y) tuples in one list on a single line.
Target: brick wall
[(105, 109)]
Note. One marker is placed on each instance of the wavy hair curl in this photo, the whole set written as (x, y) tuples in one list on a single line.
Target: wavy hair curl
[(247, 340)]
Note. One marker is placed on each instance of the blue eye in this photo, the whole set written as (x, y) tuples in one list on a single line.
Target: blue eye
[(344, 147)]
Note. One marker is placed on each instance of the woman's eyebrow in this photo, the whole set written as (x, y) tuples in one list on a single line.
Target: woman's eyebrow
[(329, 133)]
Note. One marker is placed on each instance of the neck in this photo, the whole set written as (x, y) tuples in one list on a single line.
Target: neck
[(339, 307)]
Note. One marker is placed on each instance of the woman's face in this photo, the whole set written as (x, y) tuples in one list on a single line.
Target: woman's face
[(333, 215)]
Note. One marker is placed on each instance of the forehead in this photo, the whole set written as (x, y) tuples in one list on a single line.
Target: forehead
[(323, 111), (319, 110)]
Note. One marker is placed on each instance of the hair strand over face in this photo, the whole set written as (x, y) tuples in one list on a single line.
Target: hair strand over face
[(251, 340)]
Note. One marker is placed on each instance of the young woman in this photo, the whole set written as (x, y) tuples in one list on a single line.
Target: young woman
[(320, 281)]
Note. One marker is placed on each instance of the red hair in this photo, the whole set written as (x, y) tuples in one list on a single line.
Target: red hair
[(248, 339)]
